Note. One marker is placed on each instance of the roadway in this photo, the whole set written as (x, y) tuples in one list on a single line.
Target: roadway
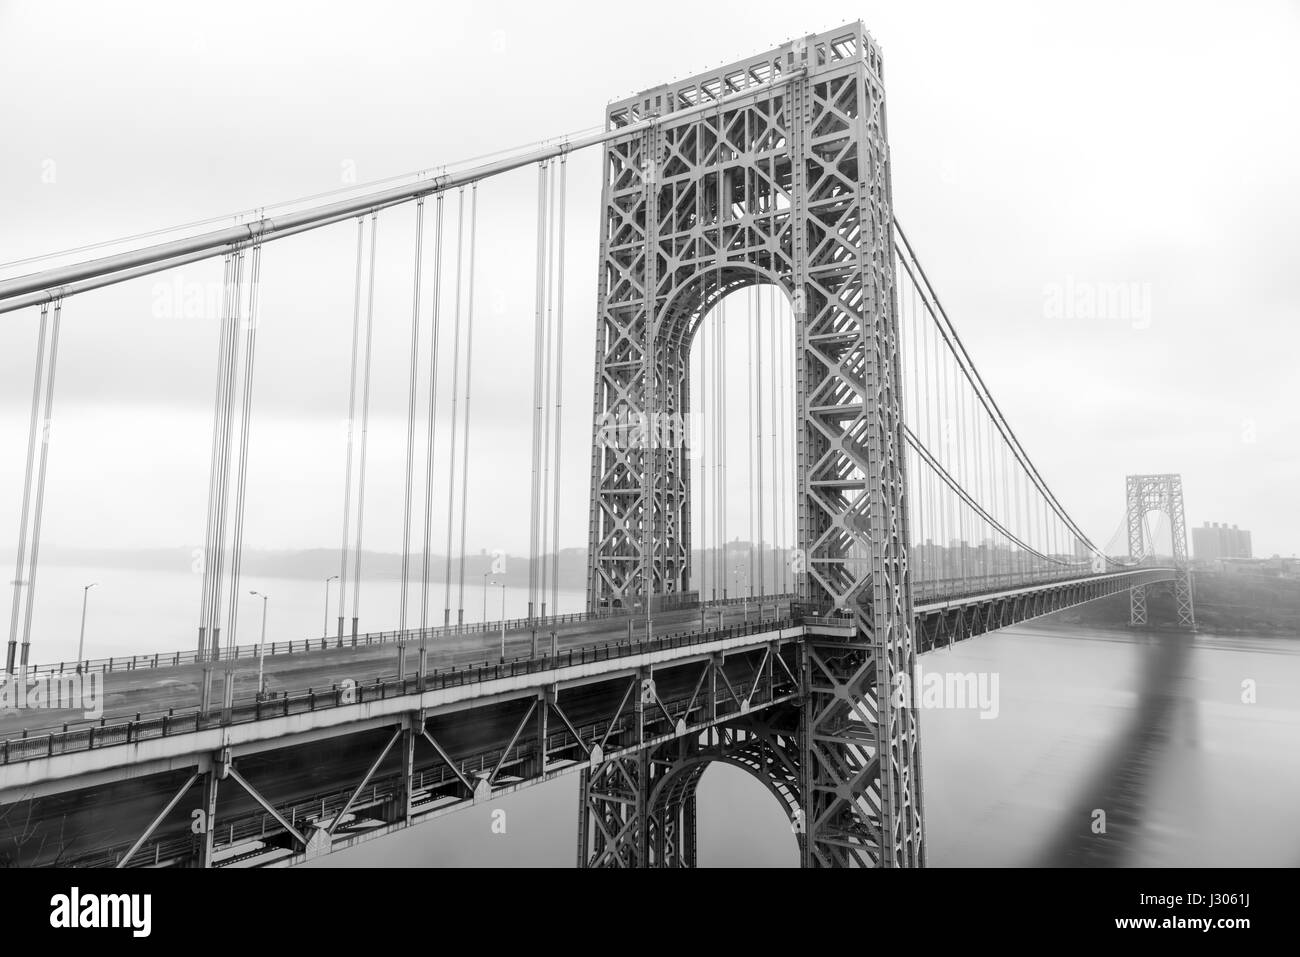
[(147, 690)]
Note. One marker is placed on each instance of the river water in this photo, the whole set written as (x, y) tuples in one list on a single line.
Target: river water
[(1190, 745)]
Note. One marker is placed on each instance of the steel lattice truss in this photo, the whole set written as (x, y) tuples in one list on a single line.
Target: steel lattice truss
[(1159, 493), (790, 186), (639, 810)]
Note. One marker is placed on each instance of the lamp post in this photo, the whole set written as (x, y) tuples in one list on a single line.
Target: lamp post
[(326, 628), (485, 587), (261, 646), (503, 616), (81, 642), (744, 599)]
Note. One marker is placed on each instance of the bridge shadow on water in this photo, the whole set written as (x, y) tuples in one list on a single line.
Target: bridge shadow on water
[(1119, 786)]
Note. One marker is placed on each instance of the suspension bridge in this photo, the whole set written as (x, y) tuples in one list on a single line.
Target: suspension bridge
[(761, 319)]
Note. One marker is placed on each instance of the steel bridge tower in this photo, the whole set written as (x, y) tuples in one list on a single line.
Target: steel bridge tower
[(774, 169), (1159, 493)]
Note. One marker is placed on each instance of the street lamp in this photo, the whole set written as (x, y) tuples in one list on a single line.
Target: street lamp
[(485, 586), (744, 599), (81, 642), (326, 628), (503, 615), (261, 646)]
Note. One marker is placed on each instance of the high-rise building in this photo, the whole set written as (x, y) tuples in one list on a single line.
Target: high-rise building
[(1214, 540)]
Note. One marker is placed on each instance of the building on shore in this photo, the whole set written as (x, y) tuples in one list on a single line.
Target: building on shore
[(1275, 567), (1213, 541)]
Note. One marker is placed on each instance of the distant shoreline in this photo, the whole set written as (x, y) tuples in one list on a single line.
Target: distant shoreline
[(317, 564)]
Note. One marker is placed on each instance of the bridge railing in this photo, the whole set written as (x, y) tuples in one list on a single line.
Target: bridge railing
[(947, 589), (173, 721), (174, 659)]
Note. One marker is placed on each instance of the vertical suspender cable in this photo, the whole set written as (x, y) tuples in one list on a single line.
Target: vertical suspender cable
[(706, 408), (774, 388), (949, 427), (223, 465), (720, 363), (749, 431), (559, 388), (719, 389), (469, 381), (245, 425), (722, 455), (914, 346), (715, 378), (757, 324), (352, 404), (933, 421), (27, 485), (931, 520), (538, 340), (995, 482), (455, 389), (548, 371), (962, 470), (40, 484), (433, 414), (783, 341), (410, 411), (365, 428), (208, 551)]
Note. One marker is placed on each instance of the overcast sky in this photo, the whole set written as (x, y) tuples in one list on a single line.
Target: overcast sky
[(1038, 149)]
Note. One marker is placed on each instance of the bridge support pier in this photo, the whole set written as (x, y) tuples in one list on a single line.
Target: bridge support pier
[(1137, 605), (211, 780)]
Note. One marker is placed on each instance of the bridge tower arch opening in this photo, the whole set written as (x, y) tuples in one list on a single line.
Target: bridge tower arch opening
[(775, 165), (641, 810), (1161, 493), (740, 407)]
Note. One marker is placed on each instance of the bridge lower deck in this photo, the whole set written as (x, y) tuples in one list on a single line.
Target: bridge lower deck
[(484, 724)]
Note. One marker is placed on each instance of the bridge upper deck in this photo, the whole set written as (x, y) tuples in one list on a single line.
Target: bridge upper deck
[(160, 693)]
